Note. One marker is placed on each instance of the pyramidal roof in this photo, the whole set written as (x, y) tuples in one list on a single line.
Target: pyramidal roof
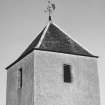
[(53, 39)]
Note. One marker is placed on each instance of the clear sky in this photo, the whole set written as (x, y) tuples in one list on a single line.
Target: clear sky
[(22, 20)]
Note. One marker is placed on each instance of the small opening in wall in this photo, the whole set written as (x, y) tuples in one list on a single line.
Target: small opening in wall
[(20, 78), (67, 73)]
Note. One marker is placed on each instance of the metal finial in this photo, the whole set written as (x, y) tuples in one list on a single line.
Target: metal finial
[(50, 9)]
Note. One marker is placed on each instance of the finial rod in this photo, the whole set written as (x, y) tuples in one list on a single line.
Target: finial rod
[(50, 19), (50, 9)]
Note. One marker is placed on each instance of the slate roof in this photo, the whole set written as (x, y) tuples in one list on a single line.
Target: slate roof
[(55, 40)]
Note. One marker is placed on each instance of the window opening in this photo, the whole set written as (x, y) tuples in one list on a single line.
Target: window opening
[(67, 73), (20, 78)]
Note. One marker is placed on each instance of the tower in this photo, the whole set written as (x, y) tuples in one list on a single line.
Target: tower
[(53, 70)]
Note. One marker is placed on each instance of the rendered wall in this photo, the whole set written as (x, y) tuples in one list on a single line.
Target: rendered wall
[(24, 96), (50, 88)]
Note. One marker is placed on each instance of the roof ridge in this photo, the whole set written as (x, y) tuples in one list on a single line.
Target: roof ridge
[(44, 33), (72, 38)]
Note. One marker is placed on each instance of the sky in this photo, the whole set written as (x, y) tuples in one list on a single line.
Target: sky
[(22, 20)]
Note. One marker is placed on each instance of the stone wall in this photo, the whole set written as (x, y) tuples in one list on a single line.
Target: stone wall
[(23, 96), (43, 81), (49, 85)]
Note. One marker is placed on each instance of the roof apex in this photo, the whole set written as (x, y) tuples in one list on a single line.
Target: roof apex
[(54, 39)]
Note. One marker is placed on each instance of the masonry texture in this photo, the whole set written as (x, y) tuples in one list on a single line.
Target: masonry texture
[(50, 88), (24, 96)]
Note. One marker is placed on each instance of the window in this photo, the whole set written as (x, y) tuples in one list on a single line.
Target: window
[(67, 73), (20, 78)]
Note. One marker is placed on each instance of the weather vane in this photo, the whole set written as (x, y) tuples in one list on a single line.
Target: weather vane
[(50, 8)]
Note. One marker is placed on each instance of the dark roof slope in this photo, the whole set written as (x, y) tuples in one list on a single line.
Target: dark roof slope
[(29, 49), (53, 39), (58, 41)]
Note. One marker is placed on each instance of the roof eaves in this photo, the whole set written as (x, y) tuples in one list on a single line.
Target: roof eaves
[(27, 51), (48, 51), (20, 58), (65, 53)]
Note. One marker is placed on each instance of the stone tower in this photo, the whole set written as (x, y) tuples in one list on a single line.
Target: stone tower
[(53, 70)]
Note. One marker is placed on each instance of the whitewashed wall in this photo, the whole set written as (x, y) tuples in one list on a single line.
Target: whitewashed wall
[(50, 88), (13, 93)]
